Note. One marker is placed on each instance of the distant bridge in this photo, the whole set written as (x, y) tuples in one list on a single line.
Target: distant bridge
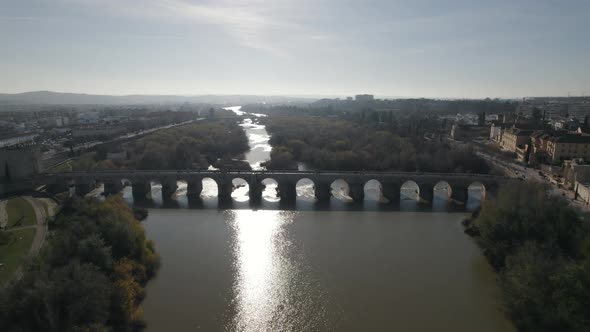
[(390, 182)]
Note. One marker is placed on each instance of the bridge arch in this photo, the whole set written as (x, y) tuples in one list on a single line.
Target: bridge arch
[(442, 191), (182, 187), (271, 190), (126, 182), (210, 188), (476, 191), (155, 187), (111, 186), (240, 189), (305, 188), (410, 191), (373, 190), (340, 189)]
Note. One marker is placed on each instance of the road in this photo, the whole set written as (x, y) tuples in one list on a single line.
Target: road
[(3, 214), (516, 170), (85, 146)]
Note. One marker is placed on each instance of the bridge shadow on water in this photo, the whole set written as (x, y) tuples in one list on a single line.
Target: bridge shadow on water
[(302, 204)]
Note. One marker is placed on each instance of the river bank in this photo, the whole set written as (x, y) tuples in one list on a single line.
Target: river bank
[(539, 247), (91, 275)]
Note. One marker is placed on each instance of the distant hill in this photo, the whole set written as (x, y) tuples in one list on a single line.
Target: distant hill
[(60, 98)]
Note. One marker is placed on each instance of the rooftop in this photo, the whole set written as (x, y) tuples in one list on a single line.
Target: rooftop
[(571, 138)]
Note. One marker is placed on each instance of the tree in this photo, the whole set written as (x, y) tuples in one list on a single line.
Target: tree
[(59, 299), (481, 119), (93, 250), (572, 295), (127, 294), (7, 175), (537, 115), (525, 212), (541, 248), (527, 290), (74, 285)]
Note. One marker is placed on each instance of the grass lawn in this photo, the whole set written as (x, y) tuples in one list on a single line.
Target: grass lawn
[(13, 253), (65, 167), (20, 213)]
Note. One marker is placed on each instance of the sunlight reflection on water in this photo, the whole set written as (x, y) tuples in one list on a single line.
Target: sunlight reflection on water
[(270, 292)]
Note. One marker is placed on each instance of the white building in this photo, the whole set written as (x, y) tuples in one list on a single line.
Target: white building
[(17, 139), (583, 192), (496, 133)]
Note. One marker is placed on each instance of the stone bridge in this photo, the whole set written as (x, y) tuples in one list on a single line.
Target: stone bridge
[(390, 182)]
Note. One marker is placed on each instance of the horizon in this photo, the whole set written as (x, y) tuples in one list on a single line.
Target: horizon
[(459, 50), (301, 96)]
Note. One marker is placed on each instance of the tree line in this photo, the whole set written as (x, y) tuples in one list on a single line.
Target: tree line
[(89, 276), (333, 143), (541, 249), (194, 146), (218, 142)]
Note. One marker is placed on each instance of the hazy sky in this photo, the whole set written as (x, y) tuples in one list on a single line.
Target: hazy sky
[(432, 48)]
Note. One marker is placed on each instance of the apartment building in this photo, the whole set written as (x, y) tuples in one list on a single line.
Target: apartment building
[(569, 146), (513, 137)]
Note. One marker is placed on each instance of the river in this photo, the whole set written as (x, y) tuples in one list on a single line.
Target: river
[(311, 270)]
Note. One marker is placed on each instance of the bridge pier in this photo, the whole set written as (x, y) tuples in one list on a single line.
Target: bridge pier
[(459, 193), (490, 189), (112, 187), (357, 192), (255, 189), (84, 188), (224, 190), (323, 191), (194, 188), (287, 191), (426, 192), (141, 190), (169, 187), (391, 191), (57, 188)]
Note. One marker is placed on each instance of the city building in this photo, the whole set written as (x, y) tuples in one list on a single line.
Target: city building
[(513, 137), (582, 190), (575, 171), (579, 110), (569, 146), (496, 130), (17, 139), (98, 131), (556, 107), (364, 98)]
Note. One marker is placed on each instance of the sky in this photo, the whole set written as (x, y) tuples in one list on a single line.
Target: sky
[(418, 48)]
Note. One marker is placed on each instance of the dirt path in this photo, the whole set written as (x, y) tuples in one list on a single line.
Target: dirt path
[(41, 226), (3, 214)]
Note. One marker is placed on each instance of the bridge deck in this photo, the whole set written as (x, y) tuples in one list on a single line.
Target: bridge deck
[(109, 173)]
